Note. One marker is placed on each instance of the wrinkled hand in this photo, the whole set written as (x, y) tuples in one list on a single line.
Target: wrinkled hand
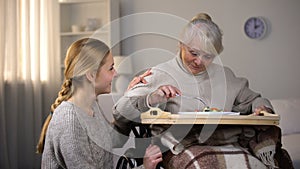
[(162, 94), (258, 110), (152, 157), (139, 79)]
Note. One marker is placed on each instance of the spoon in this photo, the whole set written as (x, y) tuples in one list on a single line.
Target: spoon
[(195, 98)]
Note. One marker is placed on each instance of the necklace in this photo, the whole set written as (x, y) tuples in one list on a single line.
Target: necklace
[(91, 113), (88, 111)]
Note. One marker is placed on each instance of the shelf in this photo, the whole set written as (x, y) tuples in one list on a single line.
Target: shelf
[(75, 33), (77, 1), (92, 18), (81, 33)]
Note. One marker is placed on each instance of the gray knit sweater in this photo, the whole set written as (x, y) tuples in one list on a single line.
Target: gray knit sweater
[(68, 144), (77, 140)]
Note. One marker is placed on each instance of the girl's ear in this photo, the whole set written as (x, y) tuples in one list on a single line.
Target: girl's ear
[(90, 76)]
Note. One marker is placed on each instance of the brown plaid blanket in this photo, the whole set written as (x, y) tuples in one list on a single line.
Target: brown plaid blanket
[(212, 157), (228, 147)]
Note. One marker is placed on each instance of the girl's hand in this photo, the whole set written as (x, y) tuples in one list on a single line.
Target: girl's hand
[(152, 157), (139, 79)]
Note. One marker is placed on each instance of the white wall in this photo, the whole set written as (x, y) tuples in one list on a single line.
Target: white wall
[(270, 64)]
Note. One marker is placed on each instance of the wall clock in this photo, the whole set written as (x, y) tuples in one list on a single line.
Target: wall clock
[(255, 27)]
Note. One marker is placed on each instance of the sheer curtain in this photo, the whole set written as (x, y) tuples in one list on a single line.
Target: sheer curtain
[(29, 77)]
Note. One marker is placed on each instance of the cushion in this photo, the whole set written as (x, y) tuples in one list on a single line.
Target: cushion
[(289, 111), (291, 144)]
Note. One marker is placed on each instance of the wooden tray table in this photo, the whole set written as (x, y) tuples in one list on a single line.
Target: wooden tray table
[(157, 116)]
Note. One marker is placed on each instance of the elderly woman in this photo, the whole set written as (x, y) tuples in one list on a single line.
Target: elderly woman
[(193, 73)]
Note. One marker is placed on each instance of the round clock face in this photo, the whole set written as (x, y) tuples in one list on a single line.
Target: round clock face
[(255, 27)]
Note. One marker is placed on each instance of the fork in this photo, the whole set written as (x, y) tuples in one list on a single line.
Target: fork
[(195, 98)]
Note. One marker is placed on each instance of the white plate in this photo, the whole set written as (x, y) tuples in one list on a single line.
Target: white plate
[(211, 113)]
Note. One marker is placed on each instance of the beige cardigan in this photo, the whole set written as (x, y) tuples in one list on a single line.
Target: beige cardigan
[(218, 86)]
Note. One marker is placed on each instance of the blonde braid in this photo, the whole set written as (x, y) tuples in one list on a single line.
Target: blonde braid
[(64, 94)]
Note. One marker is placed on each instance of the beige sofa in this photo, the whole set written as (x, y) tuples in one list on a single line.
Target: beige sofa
[(289, 111)]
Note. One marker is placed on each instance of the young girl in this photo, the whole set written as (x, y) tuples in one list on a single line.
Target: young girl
[(76, 134)]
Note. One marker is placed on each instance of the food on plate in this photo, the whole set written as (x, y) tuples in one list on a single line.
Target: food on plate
[(213, 109)]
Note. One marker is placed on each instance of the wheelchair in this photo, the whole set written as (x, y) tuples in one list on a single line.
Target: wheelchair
[(133, 157)]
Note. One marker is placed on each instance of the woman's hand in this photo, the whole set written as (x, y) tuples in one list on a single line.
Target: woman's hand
[(152, 157), (139, 79), (162, 94), (259, 109)]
